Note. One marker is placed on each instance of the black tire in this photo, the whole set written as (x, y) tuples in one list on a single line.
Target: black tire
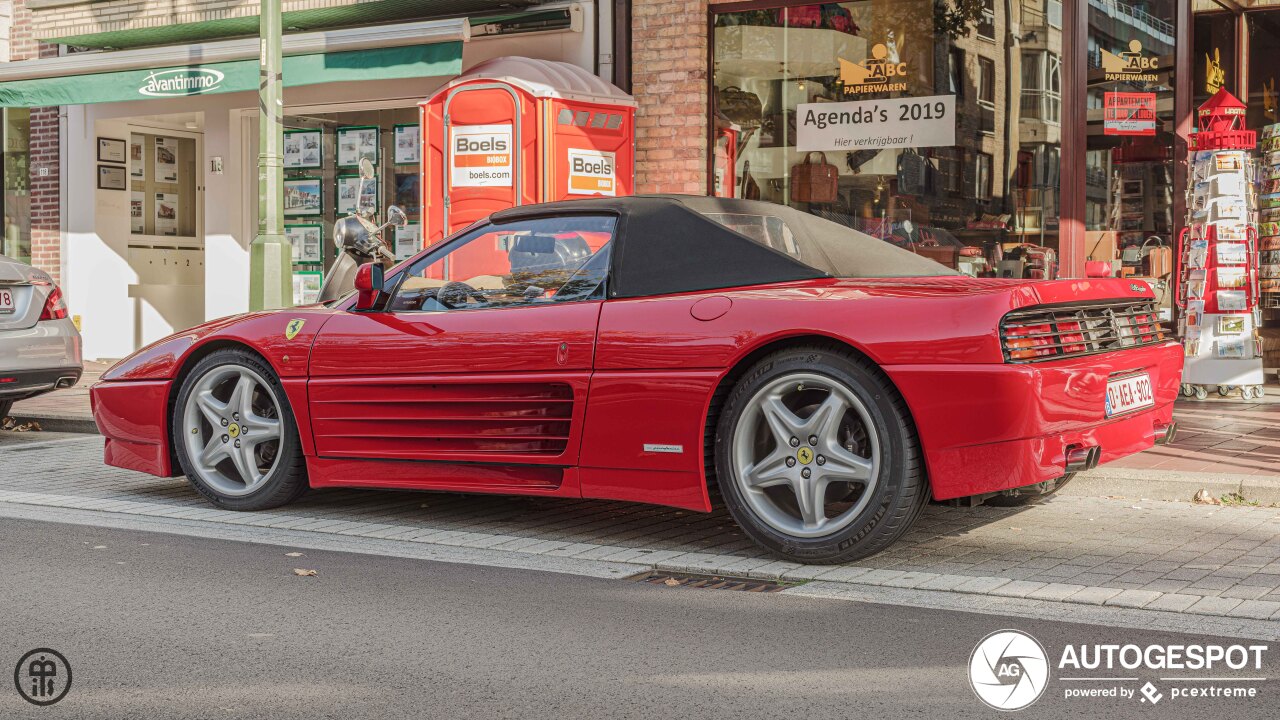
[(1029, 495), (288, 478), (5, 407), (901, 492)]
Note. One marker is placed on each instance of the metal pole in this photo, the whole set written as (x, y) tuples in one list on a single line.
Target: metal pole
[(270, 255)]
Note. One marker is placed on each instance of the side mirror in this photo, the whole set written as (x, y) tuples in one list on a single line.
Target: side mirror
[(366, 168), (369, 287), (396, 217)]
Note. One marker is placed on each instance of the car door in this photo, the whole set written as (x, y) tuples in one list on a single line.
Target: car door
[(482, 354)]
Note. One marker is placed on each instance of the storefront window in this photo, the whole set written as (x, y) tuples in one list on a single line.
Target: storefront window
[(1264, 89), (1215, 55), (322, 183), (929, 124), (16, 242), (1129, 159)]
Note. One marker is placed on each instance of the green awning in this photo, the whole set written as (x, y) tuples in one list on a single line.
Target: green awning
[(393, 63)]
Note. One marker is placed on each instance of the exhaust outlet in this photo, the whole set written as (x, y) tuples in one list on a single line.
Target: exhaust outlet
[(65, 381), (1165, 434), (1080, 459)]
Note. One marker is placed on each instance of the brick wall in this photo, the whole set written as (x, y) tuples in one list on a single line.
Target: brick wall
[(669, 67), (46, 232)]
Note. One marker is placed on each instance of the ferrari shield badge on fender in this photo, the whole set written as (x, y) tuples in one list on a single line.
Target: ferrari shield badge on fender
[(293, 328)]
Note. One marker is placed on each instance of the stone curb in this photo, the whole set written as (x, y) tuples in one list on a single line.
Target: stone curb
[(498, 549), (58, 422)]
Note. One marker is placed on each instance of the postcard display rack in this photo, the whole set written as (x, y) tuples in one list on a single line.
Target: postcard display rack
[(1269, 228), (1218, 258)]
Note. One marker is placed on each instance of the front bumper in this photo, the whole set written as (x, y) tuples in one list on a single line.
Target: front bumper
[(987, 428), (132, 417)]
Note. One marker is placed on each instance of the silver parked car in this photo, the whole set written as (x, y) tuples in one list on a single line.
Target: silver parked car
[(40, 348)]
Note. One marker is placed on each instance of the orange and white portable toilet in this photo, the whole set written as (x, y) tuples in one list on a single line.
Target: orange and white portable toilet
[(515, 131)]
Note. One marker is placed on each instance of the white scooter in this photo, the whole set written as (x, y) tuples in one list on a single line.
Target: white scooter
[(358, 241)]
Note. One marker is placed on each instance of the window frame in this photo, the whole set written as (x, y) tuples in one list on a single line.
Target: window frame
[(983, 176), (987, 19)]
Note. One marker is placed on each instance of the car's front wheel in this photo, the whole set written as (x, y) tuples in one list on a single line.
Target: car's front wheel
[(817, 457), (235, 435)]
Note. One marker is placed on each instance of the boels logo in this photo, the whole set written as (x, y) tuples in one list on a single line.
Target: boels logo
[(592, 172), (181, 82), (1130, 66), (882, 72)]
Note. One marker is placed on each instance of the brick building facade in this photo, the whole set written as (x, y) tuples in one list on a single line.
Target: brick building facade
[(669, 73), (43, 162)]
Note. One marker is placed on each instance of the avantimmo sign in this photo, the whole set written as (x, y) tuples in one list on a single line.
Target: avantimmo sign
[(181, 82)]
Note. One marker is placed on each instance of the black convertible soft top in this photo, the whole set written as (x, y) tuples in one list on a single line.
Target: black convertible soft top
[(684, 243)]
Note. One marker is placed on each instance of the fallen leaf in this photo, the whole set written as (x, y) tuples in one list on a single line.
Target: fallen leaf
[(293, 554), (300, 572), (1114, 497), (1203, 497), (671, 582)]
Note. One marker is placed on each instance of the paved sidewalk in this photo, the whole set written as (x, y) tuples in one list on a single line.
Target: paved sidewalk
[(1172, 557)]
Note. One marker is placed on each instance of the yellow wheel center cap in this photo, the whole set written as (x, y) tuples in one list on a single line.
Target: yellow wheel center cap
[(234, 430), (805, 456)]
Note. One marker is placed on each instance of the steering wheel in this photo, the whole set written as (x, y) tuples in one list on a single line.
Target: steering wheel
[(455, 293)]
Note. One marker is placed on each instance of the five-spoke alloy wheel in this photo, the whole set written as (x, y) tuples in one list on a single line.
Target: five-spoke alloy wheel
[(817, 458), (234, 433)]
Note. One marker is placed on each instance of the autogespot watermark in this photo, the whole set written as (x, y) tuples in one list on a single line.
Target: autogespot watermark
[(1010, 670), (42, 676)]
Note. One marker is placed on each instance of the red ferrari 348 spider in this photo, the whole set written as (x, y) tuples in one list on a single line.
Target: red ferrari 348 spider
[(643, 348)]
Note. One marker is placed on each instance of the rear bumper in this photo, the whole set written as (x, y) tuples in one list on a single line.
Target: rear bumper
[(29, 383), (34, 360), (986, 428), (132, 417)]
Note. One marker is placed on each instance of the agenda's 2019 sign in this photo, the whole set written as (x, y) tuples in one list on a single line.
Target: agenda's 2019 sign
[(877, 124)]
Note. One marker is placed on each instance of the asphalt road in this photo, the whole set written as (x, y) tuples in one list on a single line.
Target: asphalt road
[(158, 625)]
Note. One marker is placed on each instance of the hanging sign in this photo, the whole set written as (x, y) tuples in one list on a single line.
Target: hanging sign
[(1129, 113), (481, 156), (877, 124), (591, 172)]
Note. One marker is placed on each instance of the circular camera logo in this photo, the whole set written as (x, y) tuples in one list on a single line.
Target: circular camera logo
[(1008, 670), (43, 676)]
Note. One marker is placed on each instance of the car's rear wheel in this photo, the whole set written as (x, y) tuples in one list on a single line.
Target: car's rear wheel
[(5, 407), (817, 458), (236, 437)]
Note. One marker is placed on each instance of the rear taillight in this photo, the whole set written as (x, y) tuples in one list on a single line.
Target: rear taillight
[(1030, 341), (55, 308)]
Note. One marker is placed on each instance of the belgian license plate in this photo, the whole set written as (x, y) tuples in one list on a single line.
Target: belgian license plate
[(6, 301), (1129, 393)]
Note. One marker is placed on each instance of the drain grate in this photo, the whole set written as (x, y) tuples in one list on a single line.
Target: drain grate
[(708, 582)]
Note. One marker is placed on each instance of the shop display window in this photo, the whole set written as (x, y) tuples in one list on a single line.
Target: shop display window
[(322, 151), (16, 242), (904, 119), (1129, 158), (162, 185)]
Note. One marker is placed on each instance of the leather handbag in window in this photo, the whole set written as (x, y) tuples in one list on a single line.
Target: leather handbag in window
[(750, 188), (814, 182), (740, 107)]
